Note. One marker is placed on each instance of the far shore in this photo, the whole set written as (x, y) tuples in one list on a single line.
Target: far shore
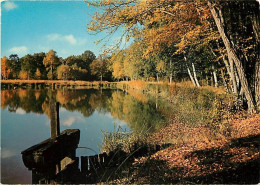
[(79, 82)]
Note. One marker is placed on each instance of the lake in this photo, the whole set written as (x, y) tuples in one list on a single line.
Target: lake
[(25, 120)]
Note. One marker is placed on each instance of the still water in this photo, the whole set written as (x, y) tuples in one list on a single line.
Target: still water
[(25, 121)]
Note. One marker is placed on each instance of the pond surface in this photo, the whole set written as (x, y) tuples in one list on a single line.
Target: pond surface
[(25, 121)]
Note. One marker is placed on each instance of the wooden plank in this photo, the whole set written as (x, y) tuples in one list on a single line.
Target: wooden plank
[(51, 150)]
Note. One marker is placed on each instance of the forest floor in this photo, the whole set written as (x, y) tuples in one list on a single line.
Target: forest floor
[(199, 156)]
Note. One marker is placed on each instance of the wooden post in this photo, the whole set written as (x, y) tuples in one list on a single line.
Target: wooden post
[(55, 120), (58, 118), (84, 164)]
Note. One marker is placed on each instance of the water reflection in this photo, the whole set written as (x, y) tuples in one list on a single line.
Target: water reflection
[(139, 112)]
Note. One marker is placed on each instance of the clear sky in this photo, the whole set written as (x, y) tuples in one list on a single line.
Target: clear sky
[(36, 26)]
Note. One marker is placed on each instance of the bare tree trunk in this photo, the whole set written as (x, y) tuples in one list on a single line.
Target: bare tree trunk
[(218, 18), (51, 73), (157, 77), (256, 25), (224, 81), (191, 77), (256, 28), (257, 84), (215, 76), (171, 72), (230, 70), (207, 80), (237, 79), (170, 78), (195, 75)]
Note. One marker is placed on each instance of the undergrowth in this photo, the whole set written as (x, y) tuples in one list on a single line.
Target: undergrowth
[(123, 140)]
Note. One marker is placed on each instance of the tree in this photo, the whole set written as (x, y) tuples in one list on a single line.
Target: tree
[(38, 62), (14, 65), (38, 74), (88, 56), (161, 69), (23, 75), (28, 65), (117, 60), (5, 71), (51, 61), (99, 67), (63, 72)]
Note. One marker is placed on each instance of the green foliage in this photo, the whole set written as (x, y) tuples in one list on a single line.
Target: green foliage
[(100, 67), (28, 64), (51, 75), (63, 72), (14, 66)]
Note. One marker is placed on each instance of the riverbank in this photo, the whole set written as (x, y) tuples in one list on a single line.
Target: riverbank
[(10, 84)]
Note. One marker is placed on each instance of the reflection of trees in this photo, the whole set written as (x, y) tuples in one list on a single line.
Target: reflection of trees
[(29, 101), (100, 100), (75, 100), (37, 101), (116, 105), (139, 115)]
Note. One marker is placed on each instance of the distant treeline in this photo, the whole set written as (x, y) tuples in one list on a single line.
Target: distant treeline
[(49, 66)]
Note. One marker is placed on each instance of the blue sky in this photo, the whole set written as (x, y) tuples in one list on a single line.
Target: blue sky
[(36, 26)]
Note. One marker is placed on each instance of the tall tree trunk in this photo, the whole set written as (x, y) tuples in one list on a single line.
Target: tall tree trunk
[(256, 27), (170, 72), (191, 77), (217, 15), (207, 80), (157, 77), (215, 76), (224, 81), (195, 75), (257, 84), (230, 70), (51, 73), (237, 79), (170, 78), (211, 80)]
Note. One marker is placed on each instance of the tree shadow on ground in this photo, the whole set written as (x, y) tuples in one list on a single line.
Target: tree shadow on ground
[(236, 162)]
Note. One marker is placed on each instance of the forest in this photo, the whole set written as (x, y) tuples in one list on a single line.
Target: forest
[(209, 42), (52, 67)]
